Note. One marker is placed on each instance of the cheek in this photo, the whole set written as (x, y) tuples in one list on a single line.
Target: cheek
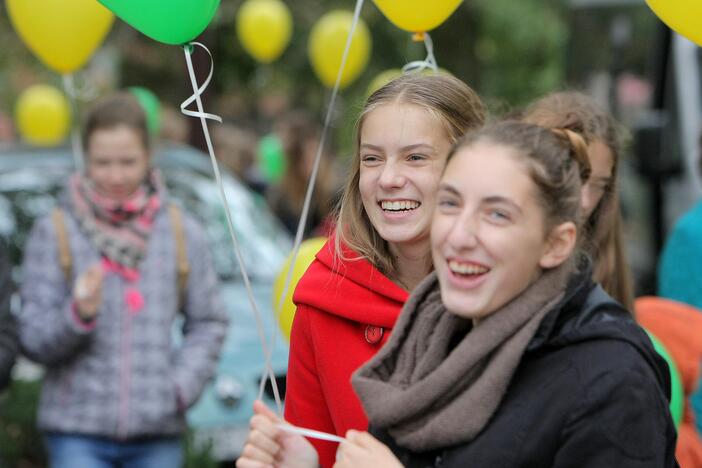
[(439, 229), (94, 173), (366, 184)]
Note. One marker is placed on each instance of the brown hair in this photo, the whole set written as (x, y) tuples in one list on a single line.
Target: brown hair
[(556, 162), (453, 103), (116, 110), (603, 229)]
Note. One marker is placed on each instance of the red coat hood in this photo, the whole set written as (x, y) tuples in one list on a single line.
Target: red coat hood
[(352, 289)]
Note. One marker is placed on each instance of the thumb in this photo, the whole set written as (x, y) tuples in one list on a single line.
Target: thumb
[(260, 408)]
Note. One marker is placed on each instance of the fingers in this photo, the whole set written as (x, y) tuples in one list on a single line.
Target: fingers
[(362, 439), (254, 450), (243, 462), (89, 284), (264, 436), (260, 449)]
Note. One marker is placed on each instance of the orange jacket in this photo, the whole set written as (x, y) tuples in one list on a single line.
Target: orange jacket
[(679, 327)]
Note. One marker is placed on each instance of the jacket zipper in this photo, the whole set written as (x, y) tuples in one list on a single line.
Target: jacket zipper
[(125, 374)]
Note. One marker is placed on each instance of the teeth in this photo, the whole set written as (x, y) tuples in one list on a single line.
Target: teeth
[(467, 268), (399, 205)]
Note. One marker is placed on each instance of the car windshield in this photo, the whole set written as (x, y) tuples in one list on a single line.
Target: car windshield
[(263, 242)]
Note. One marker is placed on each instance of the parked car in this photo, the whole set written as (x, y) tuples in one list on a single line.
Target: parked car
[(30, 180)]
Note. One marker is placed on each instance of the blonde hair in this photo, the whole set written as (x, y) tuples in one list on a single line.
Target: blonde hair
[(603, 229), (453, 103)]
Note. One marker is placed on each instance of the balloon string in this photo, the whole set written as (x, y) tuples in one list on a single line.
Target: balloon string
[(310, 433), (203, 116), (76, 144), (87, 92), (428, 62), (315, 169)]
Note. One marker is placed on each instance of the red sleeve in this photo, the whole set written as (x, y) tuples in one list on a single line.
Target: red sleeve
[(305, 405)]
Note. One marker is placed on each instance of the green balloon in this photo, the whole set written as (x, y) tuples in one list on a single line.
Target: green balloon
[(174, 22), (271, 158), (152, 108), (677, 395)]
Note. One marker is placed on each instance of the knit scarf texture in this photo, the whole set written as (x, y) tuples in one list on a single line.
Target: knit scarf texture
[(119, 229), (439, 379)]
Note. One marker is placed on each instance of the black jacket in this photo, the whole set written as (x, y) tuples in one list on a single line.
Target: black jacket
[(8, 333), (590, 391)]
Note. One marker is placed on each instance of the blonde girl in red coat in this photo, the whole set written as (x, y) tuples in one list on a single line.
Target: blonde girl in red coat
[(348, 300)]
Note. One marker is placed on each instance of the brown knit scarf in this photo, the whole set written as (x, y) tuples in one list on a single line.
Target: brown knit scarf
[(438, 380)]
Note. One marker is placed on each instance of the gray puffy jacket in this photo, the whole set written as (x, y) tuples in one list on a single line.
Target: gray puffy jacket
[(125, 378)]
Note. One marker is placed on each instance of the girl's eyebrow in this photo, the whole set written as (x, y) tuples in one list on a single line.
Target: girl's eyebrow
[(404, 148), (449, 188), (491, 200), (498, 199)]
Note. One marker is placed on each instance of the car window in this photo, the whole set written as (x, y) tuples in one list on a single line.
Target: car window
[(263, 242)]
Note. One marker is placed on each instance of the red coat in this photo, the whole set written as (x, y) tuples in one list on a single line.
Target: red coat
[(345, 311)]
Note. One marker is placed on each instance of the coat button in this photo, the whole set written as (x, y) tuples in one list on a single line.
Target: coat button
[(374, 334)]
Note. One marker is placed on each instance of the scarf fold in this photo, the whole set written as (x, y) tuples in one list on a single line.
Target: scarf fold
[(438, 380), (119, 229)]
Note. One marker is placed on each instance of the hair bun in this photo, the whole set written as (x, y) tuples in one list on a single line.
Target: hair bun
[(578, 150)]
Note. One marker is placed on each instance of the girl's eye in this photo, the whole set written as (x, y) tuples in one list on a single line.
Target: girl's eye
[(447, 203), (498, 215), (370, 158), (417, 157)]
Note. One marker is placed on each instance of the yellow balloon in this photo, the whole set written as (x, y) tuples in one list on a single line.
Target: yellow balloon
[(682, 16), (308, 249), (43, 115), (264, 28), (326, 48), (417, 15), (62, 33)]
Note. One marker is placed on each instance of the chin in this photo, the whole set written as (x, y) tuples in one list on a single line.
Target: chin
[(459, 306)]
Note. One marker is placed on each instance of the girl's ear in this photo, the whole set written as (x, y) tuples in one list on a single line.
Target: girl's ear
[(559, 245)]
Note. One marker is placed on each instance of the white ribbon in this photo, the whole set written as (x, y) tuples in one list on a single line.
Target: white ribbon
[(203, 116), (428, 62), (315, 170), (310, 433), (76, 143)]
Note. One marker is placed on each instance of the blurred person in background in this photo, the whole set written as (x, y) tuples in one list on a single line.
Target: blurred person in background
[(104, 277), (680, 265), (8, 134), (603, 226), (299, 136), (236, 148), (174, 126)]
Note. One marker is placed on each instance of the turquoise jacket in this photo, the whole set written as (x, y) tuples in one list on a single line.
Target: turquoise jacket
[(680, 267)]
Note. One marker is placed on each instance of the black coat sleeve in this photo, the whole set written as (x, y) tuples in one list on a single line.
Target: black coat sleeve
[(621, 420)]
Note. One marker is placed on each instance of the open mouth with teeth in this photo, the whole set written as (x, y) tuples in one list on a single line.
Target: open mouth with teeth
[(467, 270), (399, 205)]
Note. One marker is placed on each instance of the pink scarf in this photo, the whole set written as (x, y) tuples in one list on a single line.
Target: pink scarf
[(119, 229)]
